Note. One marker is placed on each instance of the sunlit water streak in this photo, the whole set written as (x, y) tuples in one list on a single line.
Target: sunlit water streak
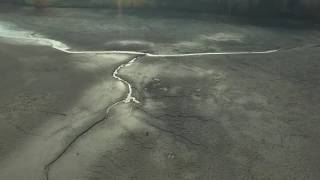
[(129, 97)]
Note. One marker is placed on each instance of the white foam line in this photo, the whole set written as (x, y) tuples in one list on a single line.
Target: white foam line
[(64, 48), (212, 53)]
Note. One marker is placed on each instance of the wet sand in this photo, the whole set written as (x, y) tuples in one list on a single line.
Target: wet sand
[(198, 116)]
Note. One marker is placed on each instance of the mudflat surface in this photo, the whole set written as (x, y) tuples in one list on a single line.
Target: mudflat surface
[(224, 117), (47, 97)]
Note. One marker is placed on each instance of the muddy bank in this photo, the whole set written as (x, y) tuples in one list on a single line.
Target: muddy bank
[(48, 97), (212, 117)]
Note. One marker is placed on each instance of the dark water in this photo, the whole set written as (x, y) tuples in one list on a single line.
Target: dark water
[(269, 8)]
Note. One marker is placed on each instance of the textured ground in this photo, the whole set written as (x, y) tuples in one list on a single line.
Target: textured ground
[(223, 117)]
